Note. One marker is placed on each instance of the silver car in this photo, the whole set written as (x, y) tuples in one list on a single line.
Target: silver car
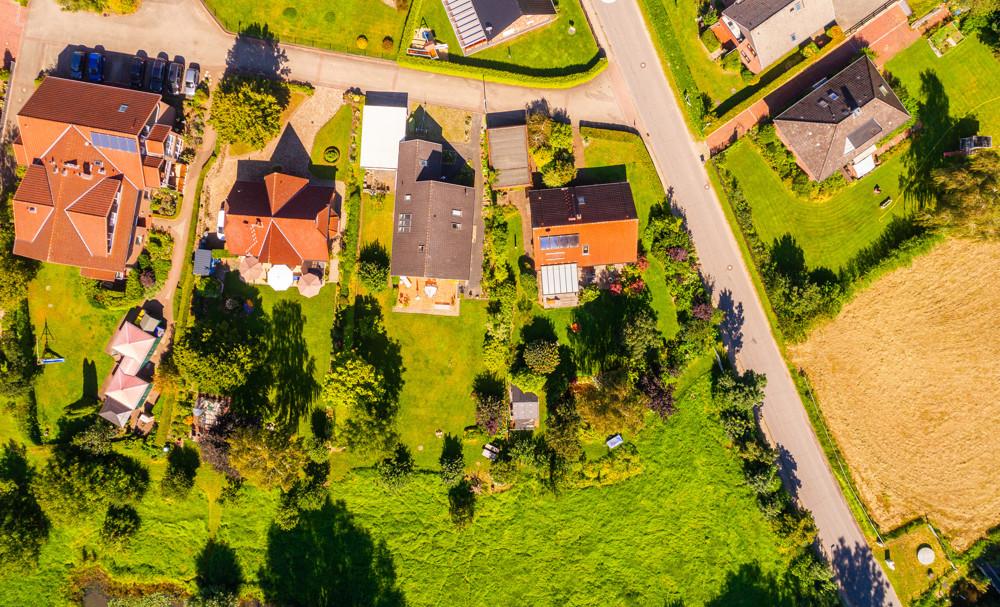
[(190, 82)]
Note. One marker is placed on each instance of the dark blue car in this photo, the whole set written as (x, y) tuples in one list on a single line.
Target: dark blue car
[(95, 67), (76, 64)]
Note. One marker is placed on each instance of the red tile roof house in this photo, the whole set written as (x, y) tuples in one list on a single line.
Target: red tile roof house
[(282, 220), (840, 123), (92, 152), (578, 231)]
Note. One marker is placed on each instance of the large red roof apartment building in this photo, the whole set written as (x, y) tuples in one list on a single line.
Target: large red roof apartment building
[(93, 153)]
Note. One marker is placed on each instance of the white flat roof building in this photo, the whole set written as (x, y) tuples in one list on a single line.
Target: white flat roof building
[(382, 128)]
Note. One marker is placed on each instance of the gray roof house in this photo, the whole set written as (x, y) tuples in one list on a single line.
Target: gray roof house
[(434, 219), (766, 30), (524, 409), (479, 24), (840, 122)]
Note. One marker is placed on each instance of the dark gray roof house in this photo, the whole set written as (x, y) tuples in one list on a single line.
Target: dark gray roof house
[(202, 262), (766, 30), (433, 219), (479, 24), (841, 120), (524, 409)]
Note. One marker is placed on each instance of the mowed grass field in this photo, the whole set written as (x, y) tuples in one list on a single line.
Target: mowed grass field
[(79, 332), (906, 377), (969, 77), (830, 233), (548, 51), (330, 25)]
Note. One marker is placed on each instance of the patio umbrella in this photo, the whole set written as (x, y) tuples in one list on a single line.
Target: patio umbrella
[(310, 284), (279, 278), (250, 269)]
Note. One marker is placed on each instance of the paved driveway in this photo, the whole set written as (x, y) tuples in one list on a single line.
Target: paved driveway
[(751, 345)]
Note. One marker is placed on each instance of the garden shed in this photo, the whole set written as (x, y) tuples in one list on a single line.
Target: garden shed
[(524, 409), (202, 262), (508, 148), (383, 127)]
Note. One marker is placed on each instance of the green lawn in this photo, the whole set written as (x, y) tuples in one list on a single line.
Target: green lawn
[(330, 25), (549, 51), (969, 77), (335, 133), (830, 233), (79, 333)]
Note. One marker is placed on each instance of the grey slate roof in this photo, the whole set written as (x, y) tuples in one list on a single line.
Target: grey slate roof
[(509, 156), (115, 412), (433, 219), (600, 203), (751, 13), (202, 262), (501, 14), (833, 124), (525, 408)]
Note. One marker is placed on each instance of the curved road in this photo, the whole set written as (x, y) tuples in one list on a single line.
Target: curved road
[(751, 345), (632, 91)]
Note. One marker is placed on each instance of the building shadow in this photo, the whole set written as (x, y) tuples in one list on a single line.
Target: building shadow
[(496, 120), (328, 560)]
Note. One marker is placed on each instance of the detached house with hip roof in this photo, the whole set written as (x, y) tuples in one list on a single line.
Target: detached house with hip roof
[(282, 220), (580, 231), (93, 153), (839, 124)]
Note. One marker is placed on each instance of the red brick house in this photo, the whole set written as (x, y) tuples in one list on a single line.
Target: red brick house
[(93, 153), (580, 230), (282, 220)]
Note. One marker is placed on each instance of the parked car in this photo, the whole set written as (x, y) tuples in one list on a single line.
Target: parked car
[(190, 82), (76, 64), (174, 78), (95, 67), (156, 75), (137, 72), (221, 228)]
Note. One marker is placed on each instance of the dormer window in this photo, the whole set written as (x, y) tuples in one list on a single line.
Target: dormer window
[(32, 210)]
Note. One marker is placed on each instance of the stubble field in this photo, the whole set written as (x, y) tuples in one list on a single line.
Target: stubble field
[(907, 379)]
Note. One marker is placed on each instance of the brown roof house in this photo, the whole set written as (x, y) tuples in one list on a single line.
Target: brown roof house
[(92, 151), (839, 123), (282, 220), (434, 226), (580, 229), (480, 24), (766, 30)]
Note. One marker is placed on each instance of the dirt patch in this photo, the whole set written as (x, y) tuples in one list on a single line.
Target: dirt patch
[(907, 378)]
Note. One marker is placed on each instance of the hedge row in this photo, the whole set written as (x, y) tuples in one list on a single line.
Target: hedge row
[(564, 81), (679, 72)]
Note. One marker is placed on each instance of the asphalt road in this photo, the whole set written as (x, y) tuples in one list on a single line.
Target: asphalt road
[(749, 340)]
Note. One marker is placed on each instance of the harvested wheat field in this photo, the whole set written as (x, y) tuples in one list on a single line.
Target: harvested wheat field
[(908, 379)]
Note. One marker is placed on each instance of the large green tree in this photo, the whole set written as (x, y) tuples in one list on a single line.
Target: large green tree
[(23, 525), (267, 458), (74, 483), (612, 405), (968, 201), (219, 357), (246, 111)]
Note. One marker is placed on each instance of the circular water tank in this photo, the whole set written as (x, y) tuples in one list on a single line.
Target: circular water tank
[(925, 554)]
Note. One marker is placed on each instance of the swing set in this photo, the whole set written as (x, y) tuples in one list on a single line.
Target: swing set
[(47, 356)]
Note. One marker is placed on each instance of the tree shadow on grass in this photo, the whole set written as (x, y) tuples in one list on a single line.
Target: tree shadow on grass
[(451, 449), (489, 384), (939, 133), (374, 252), (750, 586), (76, 415), (326, 560), (295, 385), (182, 466), (375, 346), (218, 570)]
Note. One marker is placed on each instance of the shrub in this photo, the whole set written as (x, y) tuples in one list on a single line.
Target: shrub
[(387, 43), (492, 413), (374, 275), (542, 356), (461, 504), (710, 41), (394, 472), (748, 76), (331, 155), (731, 62), (559, 172), (290, 13), (711, 17), (362, 42), (247, 110), (810, 49)]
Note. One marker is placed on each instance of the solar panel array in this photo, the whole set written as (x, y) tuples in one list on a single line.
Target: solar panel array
[(559, 242), (113, 142)]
